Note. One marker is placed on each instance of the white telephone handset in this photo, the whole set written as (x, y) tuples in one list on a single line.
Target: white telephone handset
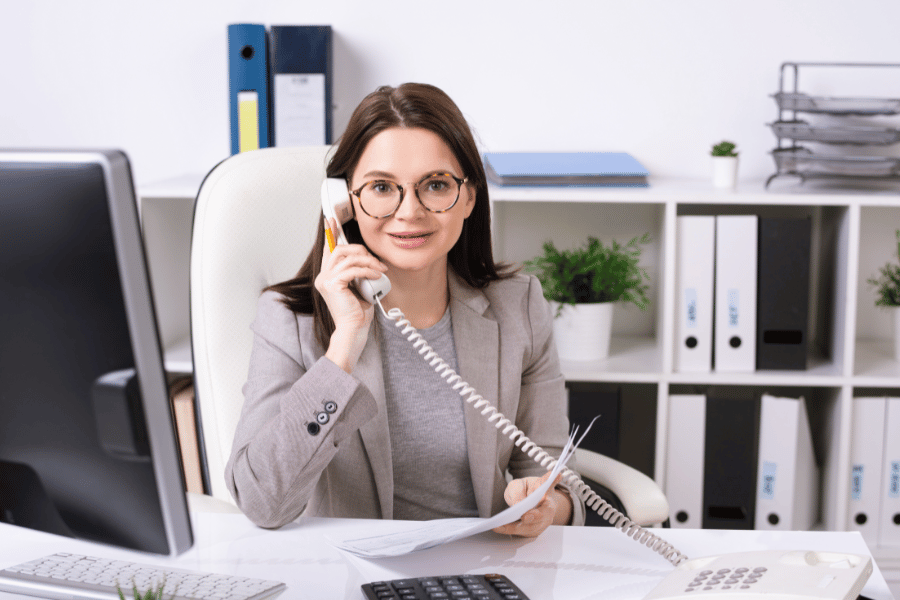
[(337, 210)]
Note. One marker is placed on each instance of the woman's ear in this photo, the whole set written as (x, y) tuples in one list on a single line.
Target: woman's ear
[(471, 197)]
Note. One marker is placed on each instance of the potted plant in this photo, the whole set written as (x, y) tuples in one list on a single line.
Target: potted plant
[(583, 284), (724, 165), (887, 293)]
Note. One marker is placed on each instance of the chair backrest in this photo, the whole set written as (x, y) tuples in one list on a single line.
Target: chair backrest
[(254, 223)]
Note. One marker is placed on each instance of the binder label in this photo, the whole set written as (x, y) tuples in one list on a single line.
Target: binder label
[(248, 121), (299, 109), (690, 301), (767, 487), (856, 482), (894, 480), (732, 308)]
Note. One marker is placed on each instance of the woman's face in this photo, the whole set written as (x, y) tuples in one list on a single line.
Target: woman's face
[(413, 238)]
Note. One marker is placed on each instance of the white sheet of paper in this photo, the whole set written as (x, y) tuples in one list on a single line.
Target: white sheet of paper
[(409, 538)]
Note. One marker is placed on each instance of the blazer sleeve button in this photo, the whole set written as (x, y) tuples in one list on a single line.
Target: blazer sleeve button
[(322, 418), (313, 428), (330, 407)]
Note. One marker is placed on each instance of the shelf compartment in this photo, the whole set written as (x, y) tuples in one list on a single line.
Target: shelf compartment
[(800, 102), (803, 131), (803, 162)]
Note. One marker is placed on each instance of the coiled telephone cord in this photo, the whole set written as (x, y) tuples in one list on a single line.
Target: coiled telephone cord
[(535, 452)]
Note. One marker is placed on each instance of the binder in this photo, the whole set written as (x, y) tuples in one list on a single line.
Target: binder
[(618, 169), (889, 533), (301, 73), (684, 460), (731, 454), (735, 291), (787, 483), (695, 241), (587, 401), (783, 293), (248, 87), (866, 454)]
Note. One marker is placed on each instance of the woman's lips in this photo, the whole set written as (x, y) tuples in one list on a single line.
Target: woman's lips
[(410, 239)]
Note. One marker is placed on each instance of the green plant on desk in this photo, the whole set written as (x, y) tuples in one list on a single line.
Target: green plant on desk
[(593, 273), (887, 284), (150, 594), (724, 149)]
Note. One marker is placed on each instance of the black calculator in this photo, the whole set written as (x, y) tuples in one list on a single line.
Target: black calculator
[(445, 587)]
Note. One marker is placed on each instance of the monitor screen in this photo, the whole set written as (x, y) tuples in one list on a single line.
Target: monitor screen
[(87, 441)]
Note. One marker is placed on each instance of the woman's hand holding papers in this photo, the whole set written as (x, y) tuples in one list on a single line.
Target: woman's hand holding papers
[(554, 509)]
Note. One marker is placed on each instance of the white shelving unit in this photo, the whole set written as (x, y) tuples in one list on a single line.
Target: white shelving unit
[(851, 351), (853, 234), (167, 213)]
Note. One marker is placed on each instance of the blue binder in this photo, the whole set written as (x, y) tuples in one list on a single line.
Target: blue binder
[(565, 168), (301, 76), (248, 86)]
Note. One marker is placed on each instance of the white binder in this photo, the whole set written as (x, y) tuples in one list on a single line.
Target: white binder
[(787, 483), (695, 240), (890, 478), (684, 460), (866, 454), (735, 293)]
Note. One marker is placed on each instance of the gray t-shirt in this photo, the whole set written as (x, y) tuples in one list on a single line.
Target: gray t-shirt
[(432, 479)]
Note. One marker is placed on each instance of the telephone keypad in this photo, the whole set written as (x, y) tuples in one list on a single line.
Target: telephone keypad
[(741, 578)]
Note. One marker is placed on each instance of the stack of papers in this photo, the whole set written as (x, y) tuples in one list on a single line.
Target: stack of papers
[(565, 168)]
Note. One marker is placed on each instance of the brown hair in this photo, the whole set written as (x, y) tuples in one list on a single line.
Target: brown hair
[(408, 105)]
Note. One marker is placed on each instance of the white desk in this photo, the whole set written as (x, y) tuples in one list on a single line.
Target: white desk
[(564, 562)]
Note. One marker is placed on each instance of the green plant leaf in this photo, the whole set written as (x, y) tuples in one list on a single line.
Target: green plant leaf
[(593, 272), (724, 148), (887, 283)]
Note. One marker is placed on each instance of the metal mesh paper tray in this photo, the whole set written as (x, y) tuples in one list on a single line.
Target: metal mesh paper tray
[(837, 106), (801, 130), (804, 162)]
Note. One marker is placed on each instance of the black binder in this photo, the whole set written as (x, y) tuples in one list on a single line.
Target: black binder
[(782, 335), (301, 57), (586, 401), (730, 461)]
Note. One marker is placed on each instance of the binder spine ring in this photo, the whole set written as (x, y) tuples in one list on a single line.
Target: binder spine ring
[(535, 452)]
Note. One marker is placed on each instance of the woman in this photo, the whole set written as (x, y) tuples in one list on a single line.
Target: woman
[(342, 417)]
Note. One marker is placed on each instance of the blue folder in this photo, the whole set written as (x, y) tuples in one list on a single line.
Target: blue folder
[(301, 50), (565, 168), (248, 72)]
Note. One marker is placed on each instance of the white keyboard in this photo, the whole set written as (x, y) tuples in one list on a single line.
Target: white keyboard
[(75, 576)]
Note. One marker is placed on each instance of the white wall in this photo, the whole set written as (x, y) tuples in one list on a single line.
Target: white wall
[(661, 79)]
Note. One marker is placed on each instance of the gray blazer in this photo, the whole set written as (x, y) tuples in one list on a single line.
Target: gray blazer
[(282, 464)]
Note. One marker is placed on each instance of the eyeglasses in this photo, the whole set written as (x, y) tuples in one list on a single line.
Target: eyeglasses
[(437, 192)]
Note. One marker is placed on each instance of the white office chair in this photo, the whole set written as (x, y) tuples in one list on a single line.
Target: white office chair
[(254, 223)]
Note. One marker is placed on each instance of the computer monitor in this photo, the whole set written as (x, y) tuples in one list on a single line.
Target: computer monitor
[(87, 442)]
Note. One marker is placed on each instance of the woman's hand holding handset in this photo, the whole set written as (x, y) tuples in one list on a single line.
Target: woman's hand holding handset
[(352, 315)]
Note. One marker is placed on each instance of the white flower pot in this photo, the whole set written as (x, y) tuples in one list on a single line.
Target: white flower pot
[(582, 332), (724, 172)]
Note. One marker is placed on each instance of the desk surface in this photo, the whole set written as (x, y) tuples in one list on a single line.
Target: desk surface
[(564, 562)]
